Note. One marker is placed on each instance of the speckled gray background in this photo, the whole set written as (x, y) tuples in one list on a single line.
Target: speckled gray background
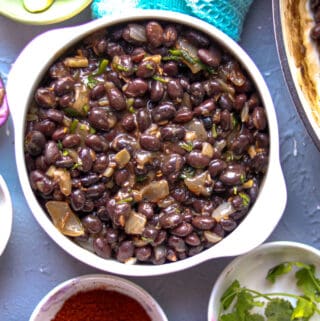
[(32, 264)]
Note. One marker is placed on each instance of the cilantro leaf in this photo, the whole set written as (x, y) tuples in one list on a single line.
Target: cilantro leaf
[(278, 270), (304, 309), (244, 304), (278, 310), (229, 317), (308, 283), (229, 295)]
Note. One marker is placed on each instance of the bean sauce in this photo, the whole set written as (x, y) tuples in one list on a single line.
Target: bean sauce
[(147, 142)]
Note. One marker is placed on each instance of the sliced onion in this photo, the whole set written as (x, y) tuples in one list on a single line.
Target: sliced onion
[(76, 62), (212, 237), (81, 97), (184, 44), (196, 126), (64, 219), (4, 107), (135, 223), (62, 177), (199, 184), (155, 191), (223, 211), (207, 150), (137, 32), (122, 158)]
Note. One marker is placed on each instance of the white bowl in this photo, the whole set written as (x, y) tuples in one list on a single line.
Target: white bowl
[(53, 301), (252, 268), (253, 230), (5, 215)]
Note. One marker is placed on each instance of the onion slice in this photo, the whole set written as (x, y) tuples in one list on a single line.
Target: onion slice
[(4, 107)]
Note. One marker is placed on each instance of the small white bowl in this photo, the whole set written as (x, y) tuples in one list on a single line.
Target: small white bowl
[(53, 301), (252, 268), (5, 215)]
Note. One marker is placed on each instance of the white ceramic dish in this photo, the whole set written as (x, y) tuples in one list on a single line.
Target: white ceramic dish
[(299, 59), (53, 301), (5, 215), (253, 230), (251, 269)]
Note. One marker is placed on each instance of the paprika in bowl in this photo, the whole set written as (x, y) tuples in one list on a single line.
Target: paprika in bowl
[(98, 297)]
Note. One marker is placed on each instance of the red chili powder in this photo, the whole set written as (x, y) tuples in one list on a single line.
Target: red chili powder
[(101, 305)]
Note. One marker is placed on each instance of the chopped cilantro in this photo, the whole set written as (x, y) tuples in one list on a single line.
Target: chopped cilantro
[(243, 304), (188, 146)]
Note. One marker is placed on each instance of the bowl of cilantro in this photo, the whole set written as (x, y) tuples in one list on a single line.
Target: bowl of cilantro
[(276, 281)]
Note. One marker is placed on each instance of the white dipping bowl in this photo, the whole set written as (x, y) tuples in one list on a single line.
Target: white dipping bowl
[(252, 268), (49, 306), (34, 62)]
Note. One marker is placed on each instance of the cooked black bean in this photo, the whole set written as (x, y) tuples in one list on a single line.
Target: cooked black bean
[(63, 86), (97, 92), (35, 142), (156, 90), (149, 142), (233, 175), (45, 98), (136, 87), (210, 57), (97, 142), (77, 199), (154, 33), (102, 247), (152, 145), (146, 69), (163, 112), (86, 159), (203, 222), (198, 160)]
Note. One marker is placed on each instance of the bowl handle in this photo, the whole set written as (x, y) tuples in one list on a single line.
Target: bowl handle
[(255, 229), (32, 60)]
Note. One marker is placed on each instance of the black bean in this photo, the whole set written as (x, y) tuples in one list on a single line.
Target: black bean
[(177, 243), (146, 69), (172, 163), (197, 38), (198, 160), (259, 118), (125, 251), (150, 233), (128, 122), (183, 115), (210, 57), (55, 115), (226, 102), (170, 220), (156, 91), (63, 86), (143, 120), (233, 175), (146, 209), (136, 87), (46, 127), (216, 166), (40, 163), (77, 199), (96, 142), (138, 54), (154, 33), (102, 248), (86, 159), (65, 161), (35, 142), (225, 120), (92, 224), (116, 98), (170, 36), (174, 89), (182, 230), (228, 224), (51, 152), (97, 92), (150, 142), (143, 253), (95, 191), (172, 133), (203, 222), (100, 164), (205, 108), (170, 69), (45, 98), (101, 119), (71, 140), (163, 113)]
